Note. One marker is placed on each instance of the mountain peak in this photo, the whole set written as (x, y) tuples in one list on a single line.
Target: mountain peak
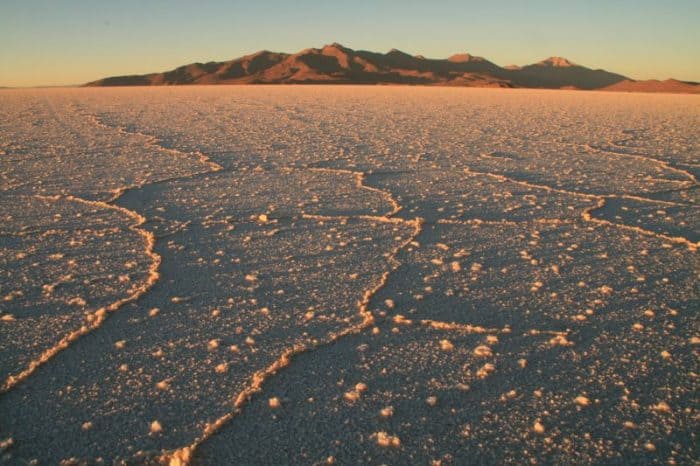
[(260, 53), (398, 52), (336, 46), (557, 62), (465, 58)]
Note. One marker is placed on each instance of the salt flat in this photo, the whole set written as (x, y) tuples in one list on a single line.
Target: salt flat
[(310, 275)]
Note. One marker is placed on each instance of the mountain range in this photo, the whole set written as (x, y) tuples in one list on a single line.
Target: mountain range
[(336, 64)]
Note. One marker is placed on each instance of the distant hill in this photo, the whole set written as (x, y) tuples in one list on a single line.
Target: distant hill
[(558, 72), (335, 64), (653, 85)]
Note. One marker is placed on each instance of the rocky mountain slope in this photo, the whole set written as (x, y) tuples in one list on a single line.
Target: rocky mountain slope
[(336, 64)]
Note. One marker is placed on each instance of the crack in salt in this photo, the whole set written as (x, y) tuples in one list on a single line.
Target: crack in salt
[(618, 149), (183, 456), (587, 214), (151, 140), (101, 314)]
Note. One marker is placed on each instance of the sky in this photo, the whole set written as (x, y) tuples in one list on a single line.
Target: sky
[(62, 42)]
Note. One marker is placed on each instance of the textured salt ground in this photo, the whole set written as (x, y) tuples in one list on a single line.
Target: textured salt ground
[(458, 195), (235, 127), (584, 171), (88, 382), (439, 408), (219, 289), (230, 197), (672, 220), (53, 147), (524, 190), (61, 261), (663, 141), (537, 276), (536, 378)]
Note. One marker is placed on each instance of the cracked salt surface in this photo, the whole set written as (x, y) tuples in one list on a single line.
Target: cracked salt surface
[(348, 274)]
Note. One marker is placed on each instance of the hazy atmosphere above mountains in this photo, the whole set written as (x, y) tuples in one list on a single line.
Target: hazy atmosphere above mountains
[(74, 42)]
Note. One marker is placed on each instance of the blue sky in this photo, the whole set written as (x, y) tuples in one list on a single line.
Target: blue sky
[(53, 42)]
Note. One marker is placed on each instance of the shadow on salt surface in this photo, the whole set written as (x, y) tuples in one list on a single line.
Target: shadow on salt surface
[(60, 261), (229, 301), (619, 386)]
